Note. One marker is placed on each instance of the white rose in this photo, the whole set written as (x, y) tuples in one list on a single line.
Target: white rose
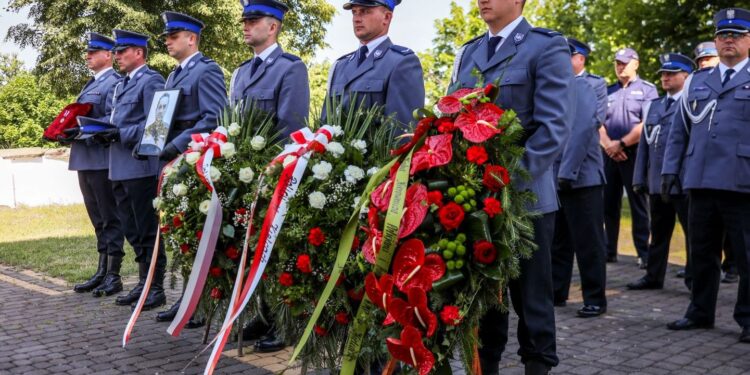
[(360, 145), (247, 175), (317, 200), (192, 157), (204, 206), (257, 143), (215, 174), (234, 129), (289, 159), (228, 150), (372, 171), (335, 148), (322, 170), (157, 203), (179, 190), (353, 174)]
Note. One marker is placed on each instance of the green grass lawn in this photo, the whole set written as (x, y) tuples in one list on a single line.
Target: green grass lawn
[(56, 240)]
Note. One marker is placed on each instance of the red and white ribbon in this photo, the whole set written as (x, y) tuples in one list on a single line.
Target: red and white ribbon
[(304, 144)]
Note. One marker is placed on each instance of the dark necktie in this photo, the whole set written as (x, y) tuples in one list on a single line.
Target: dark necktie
[(670, 101), (176, 72), (727, 76), (361, 55), (492, 46), (256, 63), (125, 83)]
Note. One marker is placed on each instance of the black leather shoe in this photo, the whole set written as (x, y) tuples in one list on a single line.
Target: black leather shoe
[(95, 280), (194, 323), (643, 284), (112, 282), (745, 335), (612, 258), (156, 296), (685, 324), (168, 315), (591, 311), (536, 368), (680, 274), (730, 278), (269, 344), (135, 293), (255, 329)]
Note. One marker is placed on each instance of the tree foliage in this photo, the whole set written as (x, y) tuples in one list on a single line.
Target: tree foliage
[(58, 29)]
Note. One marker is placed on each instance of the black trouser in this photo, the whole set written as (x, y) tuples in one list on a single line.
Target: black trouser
[(138, 216), (579, 231), (729, 264), (101, 207), (531, 295), (619, 175), (711, 213), (662, 225)]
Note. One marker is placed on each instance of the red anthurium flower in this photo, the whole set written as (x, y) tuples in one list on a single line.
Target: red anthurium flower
[(381, 196), (480, 124), (412, 269), (423, 126), (374, 236), (436, 151), (451, 104), (410, 350), (415, 312), (415, 209), (380, 292)]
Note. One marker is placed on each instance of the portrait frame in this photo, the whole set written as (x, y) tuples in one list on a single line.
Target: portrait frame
[(159, 122)]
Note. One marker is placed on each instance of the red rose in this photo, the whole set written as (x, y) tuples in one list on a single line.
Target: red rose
[(495, 177), (184, 248), (320, 331), (199, 234), (356, 294), (450, 315), (177, 221), (476, 155), (445, 125), (164, 228), (216, 293), (232, 253), (286, 279), (215, 272), (342, 317), (240, 215), (303, 263), (355, 243), (435, 197), (484, 252), (451, 215), (316, 237), (492, 207)]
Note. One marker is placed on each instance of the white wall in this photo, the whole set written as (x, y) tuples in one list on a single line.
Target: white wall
[(37, 182)]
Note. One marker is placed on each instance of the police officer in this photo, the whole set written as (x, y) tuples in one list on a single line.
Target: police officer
[(91, 160), (709, 142), (647, 174), (203, 97), (276, 81), (706, 55), (378, 72), (533, 70), (580, 175), (135, 181), (619, 139)]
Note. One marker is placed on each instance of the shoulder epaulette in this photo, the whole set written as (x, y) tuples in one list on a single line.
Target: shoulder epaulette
[(703, 69), (595, 76), (402, 50), (290, 57), (546, 32), (346, 56), (472, 40), (649, 83), (207, 60)]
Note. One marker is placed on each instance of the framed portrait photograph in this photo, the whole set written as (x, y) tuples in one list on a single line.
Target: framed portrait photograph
[(158, 122)]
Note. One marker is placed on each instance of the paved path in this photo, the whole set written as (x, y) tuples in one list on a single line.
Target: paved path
[(46, 329)]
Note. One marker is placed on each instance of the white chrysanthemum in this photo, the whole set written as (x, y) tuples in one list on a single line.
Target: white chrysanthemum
[(228, 150), (192, 158), (322, 170), (157, 203), (372, 171), (337, 131), (317, 200), (215, 174), (234, 129), (335, 148), (360, 144), (180, 190), (247, 175), (353, 174), (204, 206), (289, 159), (257, 143)]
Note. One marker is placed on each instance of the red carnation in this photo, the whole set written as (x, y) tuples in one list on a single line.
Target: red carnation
[(320, 331), (476, 155), (484, 252), (215, 272), (492, 207), (199, 234), (495, 177), (445, 125), (216, 293), (316, 237), (342, 317), (286, 279), (451, 216), (435, 197), (303, 263), (450, 315), (232, 253), (177, 221), (184, 248)]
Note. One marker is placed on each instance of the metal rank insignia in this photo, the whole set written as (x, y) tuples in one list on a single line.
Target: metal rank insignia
[(730, 14), (518, 37), (378, 53)]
